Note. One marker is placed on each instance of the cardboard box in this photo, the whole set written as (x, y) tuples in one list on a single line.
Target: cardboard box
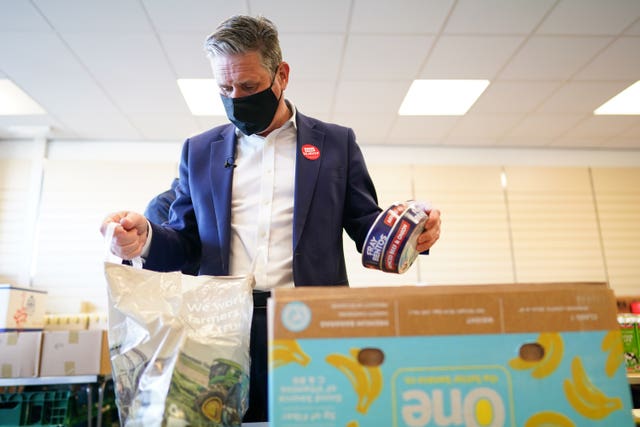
[(486, 355), (21, 308), (19, 354), (75, 353)]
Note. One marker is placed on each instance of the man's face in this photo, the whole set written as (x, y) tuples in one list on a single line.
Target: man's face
[(241, 75)]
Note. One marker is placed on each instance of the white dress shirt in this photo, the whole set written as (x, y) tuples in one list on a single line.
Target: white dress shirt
[(262, 206)]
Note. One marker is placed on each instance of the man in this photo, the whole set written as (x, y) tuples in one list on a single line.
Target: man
[(274, 190)]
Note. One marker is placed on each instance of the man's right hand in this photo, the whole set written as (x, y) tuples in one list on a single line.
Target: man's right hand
[(130, 236)]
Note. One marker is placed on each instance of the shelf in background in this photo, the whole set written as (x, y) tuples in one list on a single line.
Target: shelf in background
[(35, 381)]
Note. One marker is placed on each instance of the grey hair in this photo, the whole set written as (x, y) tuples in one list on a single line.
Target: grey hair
[(242, 34)]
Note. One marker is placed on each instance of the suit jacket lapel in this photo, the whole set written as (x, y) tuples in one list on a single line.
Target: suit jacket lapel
[(306, 174), (221, 180)]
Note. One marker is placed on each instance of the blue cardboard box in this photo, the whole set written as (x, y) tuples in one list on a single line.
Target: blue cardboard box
[(487, 355)]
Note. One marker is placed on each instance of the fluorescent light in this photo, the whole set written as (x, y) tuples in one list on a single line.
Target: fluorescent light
[(441, 97), (626, 102), (202, 97), (14, 102)]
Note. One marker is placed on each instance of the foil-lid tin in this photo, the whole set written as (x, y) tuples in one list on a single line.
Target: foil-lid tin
[(392, 239)]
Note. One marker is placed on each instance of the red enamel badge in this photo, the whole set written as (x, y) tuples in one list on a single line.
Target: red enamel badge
[(311, 152)]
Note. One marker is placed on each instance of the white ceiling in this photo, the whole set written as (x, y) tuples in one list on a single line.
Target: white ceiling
[(107, 70)]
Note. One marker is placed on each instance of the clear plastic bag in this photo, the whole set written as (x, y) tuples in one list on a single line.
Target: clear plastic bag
[(179, 347)]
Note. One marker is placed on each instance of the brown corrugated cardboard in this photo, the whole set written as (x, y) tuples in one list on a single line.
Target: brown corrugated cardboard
[(447, 355)]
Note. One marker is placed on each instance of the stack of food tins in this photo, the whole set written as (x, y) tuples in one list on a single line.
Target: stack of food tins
[(391, 242)]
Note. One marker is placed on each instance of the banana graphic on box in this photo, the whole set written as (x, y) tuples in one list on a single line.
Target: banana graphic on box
[(612, 343), (549, 419), (585, 397), (553, 347), (284, 352), (366, 380)]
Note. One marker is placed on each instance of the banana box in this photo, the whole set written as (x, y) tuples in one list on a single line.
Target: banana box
[(521, 355)]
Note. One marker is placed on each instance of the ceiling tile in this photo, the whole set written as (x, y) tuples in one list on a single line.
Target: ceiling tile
[(399, 16), (602, 126), (312, 56), (149, 96), (544, 125), (572, 142), (485, 126), (633, 30), (496, 16), (422, 128), (21, 16), (466, 57), (187, 55), (553, 58), (89, 125), (64, 88), (311, 97), (95, 16), (126, 58), (370, 128), (363, 53), (165, 127), (620, 61), (526, 141), (581, 97), (113, 65), (513, 96), (595, 17), (470, 141), (358, 96), (304, 16), (198, 16)]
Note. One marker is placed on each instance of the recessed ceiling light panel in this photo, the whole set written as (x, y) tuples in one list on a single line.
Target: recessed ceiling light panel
[(14, 102), (441, 97), (626, 102)]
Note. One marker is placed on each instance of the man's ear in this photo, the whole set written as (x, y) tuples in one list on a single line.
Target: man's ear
[(283, 74)]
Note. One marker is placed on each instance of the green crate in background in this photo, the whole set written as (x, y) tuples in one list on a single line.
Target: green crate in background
[(34, 408)]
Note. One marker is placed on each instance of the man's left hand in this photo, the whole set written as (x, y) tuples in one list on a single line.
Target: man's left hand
[(431, 232)]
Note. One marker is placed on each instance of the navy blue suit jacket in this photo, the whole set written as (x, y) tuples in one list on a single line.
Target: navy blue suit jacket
[(332, 193)]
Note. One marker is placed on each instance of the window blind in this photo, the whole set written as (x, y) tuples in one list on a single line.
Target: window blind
[(554, 225), (474, 245), (617, 193)]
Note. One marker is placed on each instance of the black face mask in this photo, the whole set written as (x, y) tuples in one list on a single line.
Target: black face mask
[(254, 113)]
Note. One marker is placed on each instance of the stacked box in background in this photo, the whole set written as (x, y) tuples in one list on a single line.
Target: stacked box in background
[(502, 355), (21, 309), (22, 313), (75, 344), (83, 352), (20, 354)]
